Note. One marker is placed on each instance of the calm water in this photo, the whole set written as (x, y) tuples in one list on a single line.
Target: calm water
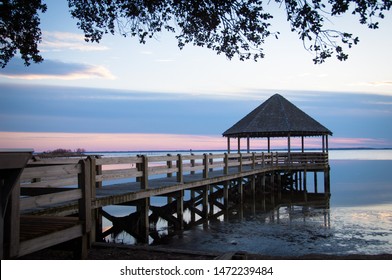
[(359, 219)]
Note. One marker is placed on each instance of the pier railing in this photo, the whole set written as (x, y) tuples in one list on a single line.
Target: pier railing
[(57, 173), (144, 167), (45, 190)]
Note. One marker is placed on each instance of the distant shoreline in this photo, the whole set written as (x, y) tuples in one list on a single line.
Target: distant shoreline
[(225, 150)]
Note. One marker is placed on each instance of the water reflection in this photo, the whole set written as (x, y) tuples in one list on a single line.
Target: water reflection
[(260, 209)]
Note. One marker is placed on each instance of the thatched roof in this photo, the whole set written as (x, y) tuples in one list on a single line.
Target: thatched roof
[(276, 117)]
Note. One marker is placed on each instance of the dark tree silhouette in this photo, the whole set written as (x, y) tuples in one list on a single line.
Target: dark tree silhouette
[(232, 27)]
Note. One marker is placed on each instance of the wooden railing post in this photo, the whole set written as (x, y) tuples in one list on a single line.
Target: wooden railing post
[(211, 162), (180, 175), (240, 165), (13, 225), (277, 159), (144, 169), (226, 160), (192, 164), (205, 163), (262, 159), (96, 230), (85, 185), (253, 160), (169, 164)]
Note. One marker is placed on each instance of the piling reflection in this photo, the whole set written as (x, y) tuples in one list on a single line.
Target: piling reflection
[(216, 204)]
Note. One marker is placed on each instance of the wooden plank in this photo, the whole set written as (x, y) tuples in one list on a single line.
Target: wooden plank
[(54, 161), (162, 158), (118, 160), (192, 157), (161, 170), (118, 174), (45, 241), (63, 171), (48, 199), (53, 183)]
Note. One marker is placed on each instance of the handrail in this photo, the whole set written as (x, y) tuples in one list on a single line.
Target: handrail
[(143, 168)]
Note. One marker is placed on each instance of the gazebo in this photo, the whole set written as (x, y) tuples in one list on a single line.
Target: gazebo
[(277, 117)]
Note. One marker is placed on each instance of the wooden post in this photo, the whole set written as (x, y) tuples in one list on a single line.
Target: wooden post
[(269, 144), (143, 207), (240, 165), (300, 181), (289, 148), (305, 187), (247, 144), (193, 214), (192, 164), (302, 144), (180, 209), (13, 224), (241, 190), (279, 186), (205, 163), (144, 169), (315, 182), (263, 183), (84, 183), (253, 185), (211, 201), (228, 144), (272, 182), (169, 164), (96, 229), (180, 174), (239, 144), (211, 162), (253, 160), (326, 182), (205, 202), (326, 143), (226, 195), (226, 168)]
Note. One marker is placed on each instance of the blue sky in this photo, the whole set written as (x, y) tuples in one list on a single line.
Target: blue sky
[(122, 87)]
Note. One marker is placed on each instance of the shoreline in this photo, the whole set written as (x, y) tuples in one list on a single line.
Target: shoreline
[(111, 251)]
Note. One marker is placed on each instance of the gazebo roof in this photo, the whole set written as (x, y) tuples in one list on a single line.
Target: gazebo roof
[(277, 117)]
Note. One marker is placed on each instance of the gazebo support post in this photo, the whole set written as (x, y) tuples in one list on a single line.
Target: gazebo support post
[(288, 147), (239, 144), (269, 144), (302, 144), (326, 143), (228, 145), (247, 144)]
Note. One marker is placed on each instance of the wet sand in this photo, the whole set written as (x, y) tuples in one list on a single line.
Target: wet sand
[(128, 252)]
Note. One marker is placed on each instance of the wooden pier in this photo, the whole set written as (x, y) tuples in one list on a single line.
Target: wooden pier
[(59, 200)]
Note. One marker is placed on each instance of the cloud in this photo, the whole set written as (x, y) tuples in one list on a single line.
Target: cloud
[(381, 83), (54, 69), (59, 41)]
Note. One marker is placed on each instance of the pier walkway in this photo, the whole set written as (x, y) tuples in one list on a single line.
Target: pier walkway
[(57, 200)]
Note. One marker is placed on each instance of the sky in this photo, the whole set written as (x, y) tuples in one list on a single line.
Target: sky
[(121, 95)]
